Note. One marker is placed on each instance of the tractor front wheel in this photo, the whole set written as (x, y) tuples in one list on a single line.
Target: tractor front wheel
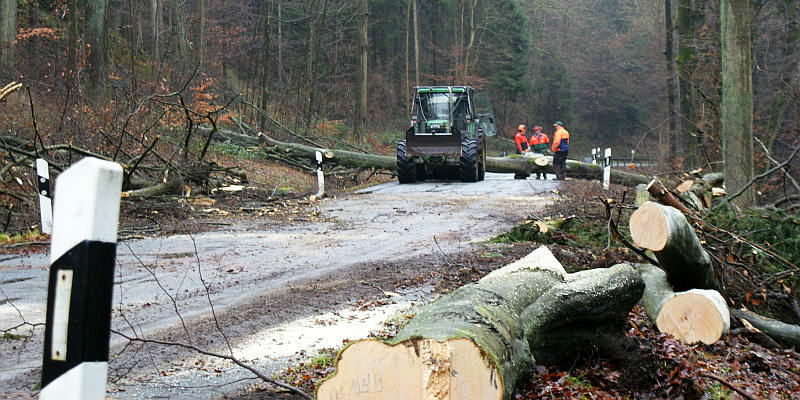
[(406, 170), (468, 167)]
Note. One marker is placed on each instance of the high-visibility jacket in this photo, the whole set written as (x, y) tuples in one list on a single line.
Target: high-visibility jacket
[(521, 140), (560, 140), (539, 142)]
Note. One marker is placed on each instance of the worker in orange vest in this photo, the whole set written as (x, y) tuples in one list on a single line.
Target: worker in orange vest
[(521, 140), (539, 143), (560, 149)]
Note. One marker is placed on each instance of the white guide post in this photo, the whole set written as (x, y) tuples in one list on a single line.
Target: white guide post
[(82, 253), (607, 169), (45, 199), (594, 156), (320, 176)]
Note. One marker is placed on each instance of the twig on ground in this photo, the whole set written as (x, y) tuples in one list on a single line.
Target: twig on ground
[(728, 384)]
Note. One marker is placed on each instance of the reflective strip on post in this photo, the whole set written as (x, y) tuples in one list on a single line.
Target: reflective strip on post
[(82, 253), (45, 199), (320, 176), (607, 169)]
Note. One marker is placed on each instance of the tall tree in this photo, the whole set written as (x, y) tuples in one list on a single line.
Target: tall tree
[(156, 18), (96, 32), (72, 45), (361, 68), (179, 43), (687, 24), (266, 6), (668, 138), (200, 31), (416, 42), (737, 99), (8, 28)]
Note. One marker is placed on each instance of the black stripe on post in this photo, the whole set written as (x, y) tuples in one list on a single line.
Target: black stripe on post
[(44, 187), (89, 326)]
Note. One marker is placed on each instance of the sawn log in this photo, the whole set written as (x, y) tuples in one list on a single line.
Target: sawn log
[(690, 316), (666, 232), (482, 340)]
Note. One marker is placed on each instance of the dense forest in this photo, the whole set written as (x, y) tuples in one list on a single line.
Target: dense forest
[(112, 76)]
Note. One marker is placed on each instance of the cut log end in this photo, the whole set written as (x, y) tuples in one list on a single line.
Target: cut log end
[(694, 316), (422, 369), (649, 227)]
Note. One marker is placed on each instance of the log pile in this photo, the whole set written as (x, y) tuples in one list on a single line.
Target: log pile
[(681, 296), (482, 340)]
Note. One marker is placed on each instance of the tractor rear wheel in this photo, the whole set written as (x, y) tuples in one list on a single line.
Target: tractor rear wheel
[(468, 167), (406, 170)]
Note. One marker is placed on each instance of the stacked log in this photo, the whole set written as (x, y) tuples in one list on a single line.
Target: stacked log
[(482, 340)]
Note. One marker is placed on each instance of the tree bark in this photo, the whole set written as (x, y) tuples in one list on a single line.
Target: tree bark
[(786, 333), (360, 118), (200, 32), (690, 316), (98, 70), (482, 340), (666, 232), (178, 34), (8, 29), (264, 81), (737, 99)]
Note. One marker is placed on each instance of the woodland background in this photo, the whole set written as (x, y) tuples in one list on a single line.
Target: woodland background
[(109, 77)]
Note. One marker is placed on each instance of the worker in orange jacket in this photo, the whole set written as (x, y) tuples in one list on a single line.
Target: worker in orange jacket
[(521, 140), (560, 147), (539, 141)]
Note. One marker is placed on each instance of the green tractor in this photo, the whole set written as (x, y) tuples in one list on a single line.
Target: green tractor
[(447, 137)]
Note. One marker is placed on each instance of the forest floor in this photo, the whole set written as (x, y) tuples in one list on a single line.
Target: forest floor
[(654, 366)]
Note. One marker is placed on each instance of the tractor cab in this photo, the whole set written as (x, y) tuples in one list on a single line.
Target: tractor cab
[(447, 137)]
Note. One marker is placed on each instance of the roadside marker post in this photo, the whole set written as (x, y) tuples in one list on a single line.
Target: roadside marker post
[(79, 294), (45, 199), (607, 169), (320, 176), (594, 156)]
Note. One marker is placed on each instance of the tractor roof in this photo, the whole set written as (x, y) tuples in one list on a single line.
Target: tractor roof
[(444, 89)]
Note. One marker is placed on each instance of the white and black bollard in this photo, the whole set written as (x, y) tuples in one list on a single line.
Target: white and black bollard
[(45, 199), (607, 169), (79, 295), (320, 177)]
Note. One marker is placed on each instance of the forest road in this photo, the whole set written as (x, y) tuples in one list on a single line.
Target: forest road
[(247, 281)]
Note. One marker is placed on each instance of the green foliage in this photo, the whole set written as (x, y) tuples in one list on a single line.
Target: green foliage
[(11, 336), (772, 228), (234, 151)]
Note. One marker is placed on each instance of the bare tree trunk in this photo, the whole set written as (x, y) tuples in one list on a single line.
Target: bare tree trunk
[(737, 99), (72, 45), (200, 32), (155, 26), (416, 43), (8, 28), (264, 84), (361, 69), (687, 64), (178, 34), (669, 52), (468, 50), (97, 71)]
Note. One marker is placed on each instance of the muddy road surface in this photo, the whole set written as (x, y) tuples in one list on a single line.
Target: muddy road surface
[(268, 291)]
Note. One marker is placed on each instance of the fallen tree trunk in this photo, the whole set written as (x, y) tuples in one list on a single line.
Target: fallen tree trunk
[(665, 231), (482, 340), (521, 166), (339, 157), (690, 316), (781, 332)]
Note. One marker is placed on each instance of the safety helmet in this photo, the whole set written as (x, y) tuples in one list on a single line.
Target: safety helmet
[(521, 128)]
